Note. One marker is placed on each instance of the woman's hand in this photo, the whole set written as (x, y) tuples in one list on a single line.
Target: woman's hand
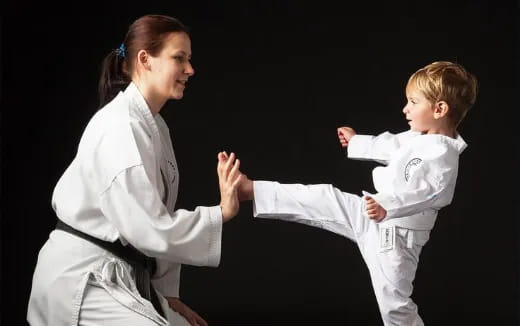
[(191, 316), (229, 177), (345, 134)]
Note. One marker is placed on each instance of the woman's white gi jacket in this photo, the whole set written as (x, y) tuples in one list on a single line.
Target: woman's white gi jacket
[(419, 177), (114, 189)]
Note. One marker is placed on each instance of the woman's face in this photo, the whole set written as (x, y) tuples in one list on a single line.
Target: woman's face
[(171, 69)]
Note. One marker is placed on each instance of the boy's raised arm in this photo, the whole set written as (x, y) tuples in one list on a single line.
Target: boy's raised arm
[(377, 148)]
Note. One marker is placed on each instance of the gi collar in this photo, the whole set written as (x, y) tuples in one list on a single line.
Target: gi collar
[(136, 99), (458, 143)]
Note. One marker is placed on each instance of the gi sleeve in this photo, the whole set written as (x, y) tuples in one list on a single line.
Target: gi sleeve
[(377, 148), (134, 206), (167, 278), (429, 186)]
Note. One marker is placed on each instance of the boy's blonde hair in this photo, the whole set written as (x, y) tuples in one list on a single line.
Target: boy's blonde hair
[(449, 82)]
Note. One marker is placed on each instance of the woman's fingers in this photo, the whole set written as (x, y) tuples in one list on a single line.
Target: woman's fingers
[(229, 174), (230, 169), (219, 164), (233, 173), (237, 181), (222, 158), (224, 164), (228, 165)]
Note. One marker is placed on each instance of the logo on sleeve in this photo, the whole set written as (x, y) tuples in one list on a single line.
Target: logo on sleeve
[(411, 167)]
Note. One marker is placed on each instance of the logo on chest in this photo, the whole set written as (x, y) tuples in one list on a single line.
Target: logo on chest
[(171, 173), (411, 167)]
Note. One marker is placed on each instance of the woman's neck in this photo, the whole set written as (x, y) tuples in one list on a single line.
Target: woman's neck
[(155, 103)]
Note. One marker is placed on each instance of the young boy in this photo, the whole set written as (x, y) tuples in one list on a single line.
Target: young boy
[(391, 226)]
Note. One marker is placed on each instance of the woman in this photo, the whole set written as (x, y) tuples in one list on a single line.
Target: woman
[(115, 202)]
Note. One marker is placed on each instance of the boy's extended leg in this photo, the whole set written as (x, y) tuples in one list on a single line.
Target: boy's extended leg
[(392, 271), (321, 206)]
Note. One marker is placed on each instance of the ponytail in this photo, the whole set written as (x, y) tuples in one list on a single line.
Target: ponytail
[(113, 76)]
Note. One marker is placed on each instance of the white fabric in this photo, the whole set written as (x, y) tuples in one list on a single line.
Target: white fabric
[(392, 271), (123, 184), (79, 283), (419, 178)]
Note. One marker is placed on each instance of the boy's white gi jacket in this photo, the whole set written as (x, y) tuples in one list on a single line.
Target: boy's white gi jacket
[(419, 177), (123, 185)]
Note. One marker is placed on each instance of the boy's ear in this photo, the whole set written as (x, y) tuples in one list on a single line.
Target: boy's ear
[(441, 109)]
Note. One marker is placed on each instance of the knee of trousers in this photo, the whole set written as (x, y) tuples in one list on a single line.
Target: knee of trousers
[(398, 309), (394, 298)]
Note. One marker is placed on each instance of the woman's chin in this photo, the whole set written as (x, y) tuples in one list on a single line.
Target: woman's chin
[(176, 96)]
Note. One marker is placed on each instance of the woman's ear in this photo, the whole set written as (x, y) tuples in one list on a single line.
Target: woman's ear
[(441, 109), (143, 59)]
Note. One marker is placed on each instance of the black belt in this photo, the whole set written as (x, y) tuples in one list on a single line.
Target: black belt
[(143, 265)]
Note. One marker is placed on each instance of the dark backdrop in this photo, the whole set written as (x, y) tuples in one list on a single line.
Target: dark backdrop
[(273, 81)]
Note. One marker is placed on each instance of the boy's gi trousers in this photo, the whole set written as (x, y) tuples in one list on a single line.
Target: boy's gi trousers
[(391, 253)]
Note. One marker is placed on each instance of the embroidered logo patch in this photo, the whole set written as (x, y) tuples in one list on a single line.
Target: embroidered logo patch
[(173, 170), (411, 167)]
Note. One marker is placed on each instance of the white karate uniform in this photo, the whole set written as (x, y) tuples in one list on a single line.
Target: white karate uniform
[(123, 185), (417, 181)]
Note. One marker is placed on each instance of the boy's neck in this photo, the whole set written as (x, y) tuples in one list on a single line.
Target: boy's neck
[(443, 130)]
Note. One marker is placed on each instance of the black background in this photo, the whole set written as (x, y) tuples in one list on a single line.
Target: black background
[(273, 81)]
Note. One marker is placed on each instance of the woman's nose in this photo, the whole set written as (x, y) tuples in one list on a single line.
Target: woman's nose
[(189, 70)]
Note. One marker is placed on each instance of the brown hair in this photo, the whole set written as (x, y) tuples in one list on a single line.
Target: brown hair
[(148, 33), (449, 82)]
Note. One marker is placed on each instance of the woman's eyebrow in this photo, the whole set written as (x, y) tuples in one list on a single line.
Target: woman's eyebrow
[(181, 52)]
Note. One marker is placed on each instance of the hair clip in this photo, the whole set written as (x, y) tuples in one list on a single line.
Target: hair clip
[(121, 52)]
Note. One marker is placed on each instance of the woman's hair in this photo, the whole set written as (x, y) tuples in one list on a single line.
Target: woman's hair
[(146, 33), (449, 82)]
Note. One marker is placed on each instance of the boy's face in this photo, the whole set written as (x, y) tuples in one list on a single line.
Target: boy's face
[(418, 111)]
